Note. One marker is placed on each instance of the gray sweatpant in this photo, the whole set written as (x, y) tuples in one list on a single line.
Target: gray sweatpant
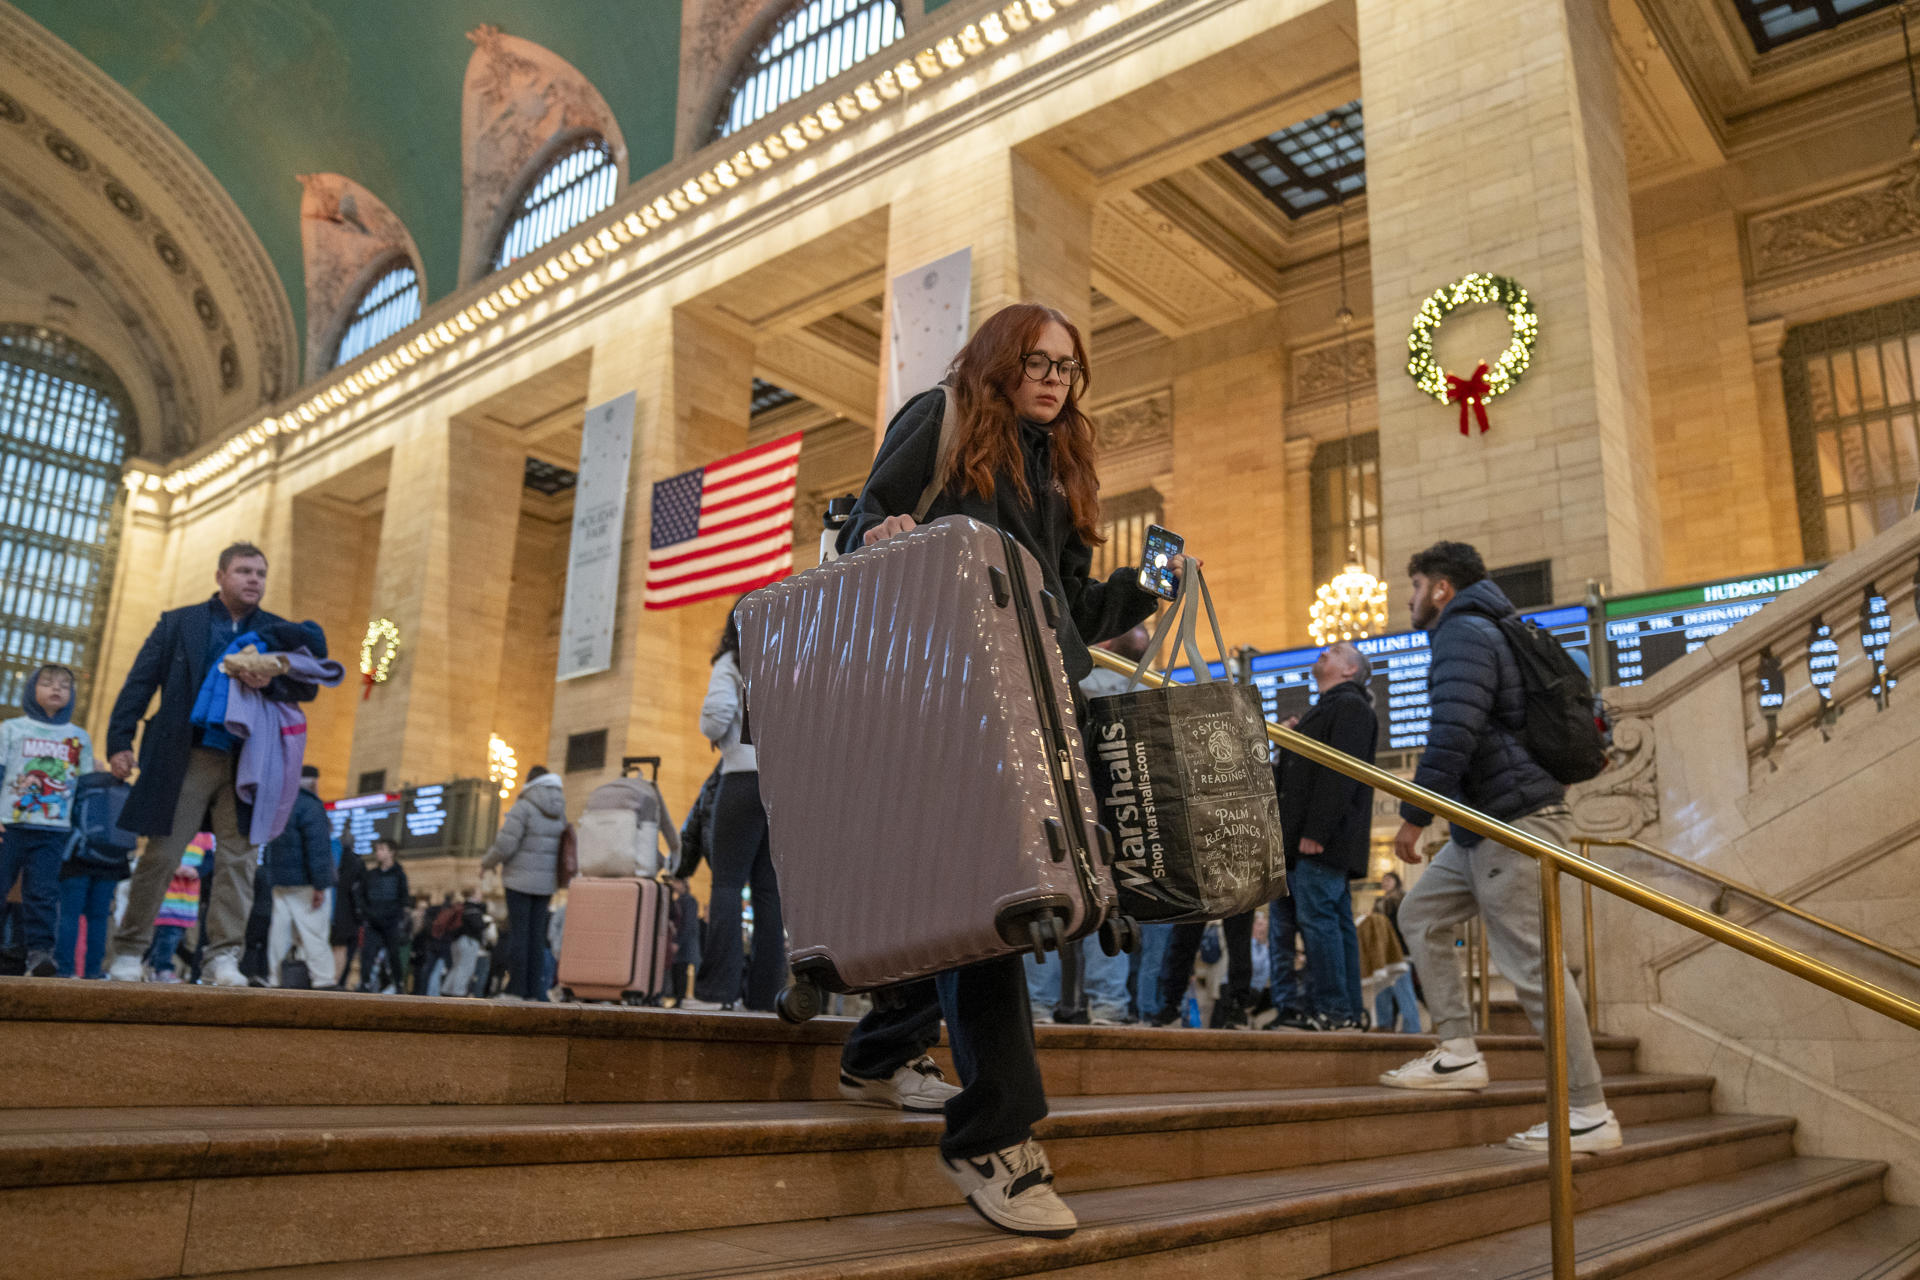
[(1503, 887), (207, 788)]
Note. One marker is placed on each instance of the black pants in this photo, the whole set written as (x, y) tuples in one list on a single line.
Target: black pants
[(985, 1007), (742, 859), (1184, 946), (527, 944), (389, 936)]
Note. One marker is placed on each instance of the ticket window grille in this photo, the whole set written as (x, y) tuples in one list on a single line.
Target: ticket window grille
[(1346, 505), (581, 182), (1124, 520), (1852, 385), (64, 421), (816, 41)]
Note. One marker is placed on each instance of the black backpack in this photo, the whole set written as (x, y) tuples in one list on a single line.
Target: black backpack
[(1562, 732)]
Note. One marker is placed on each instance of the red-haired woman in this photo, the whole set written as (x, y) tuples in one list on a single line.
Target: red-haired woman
[(1022, 461)]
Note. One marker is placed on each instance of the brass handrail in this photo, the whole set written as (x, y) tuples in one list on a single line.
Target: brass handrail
[(1748, 891), (1554, 860)]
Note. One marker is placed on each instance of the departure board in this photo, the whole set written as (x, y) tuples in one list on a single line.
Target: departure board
[(441, 817), (1647, 632), (360, 820), (1400, 662)]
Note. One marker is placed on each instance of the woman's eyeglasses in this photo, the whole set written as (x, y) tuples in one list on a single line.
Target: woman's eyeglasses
[(1036, 365)]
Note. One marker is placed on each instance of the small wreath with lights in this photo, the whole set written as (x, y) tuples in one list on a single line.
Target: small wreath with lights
[(378, 648), (1472, 393)]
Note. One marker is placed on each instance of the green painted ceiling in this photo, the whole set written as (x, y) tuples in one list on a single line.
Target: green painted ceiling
[(263, 89)]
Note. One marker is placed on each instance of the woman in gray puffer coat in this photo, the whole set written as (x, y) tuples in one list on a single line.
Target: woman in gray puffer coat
[(528, 851)]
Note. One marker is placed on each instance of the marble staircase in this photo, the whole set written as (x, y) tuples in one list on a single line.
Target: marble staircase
[(156, 1131)]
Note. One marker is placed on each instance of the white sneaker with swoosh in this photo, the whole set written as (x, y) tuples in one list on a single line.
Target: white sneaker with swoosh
[(1013, 1189), (918, 1086), (1438, 1070)]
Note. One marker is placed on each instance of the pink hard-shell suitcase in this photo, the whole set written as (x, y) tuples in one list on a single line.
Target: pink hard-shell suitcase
[(921, 768), (617, 941)]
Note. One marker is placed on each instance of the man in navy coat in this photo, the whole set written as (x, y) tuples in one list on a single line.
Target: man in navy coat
[(184, 786)]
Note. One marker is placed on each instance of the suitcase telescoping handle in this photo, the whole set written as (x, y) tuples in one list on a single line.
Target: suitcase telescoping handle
[(631, 764)]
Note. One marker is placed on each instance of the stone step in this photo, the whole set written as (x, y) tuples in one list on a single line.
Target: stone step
[(311, 1180), (1881, 1244), (67, 1146), (1301, 1222), (66, 1044), (1704, 1231)]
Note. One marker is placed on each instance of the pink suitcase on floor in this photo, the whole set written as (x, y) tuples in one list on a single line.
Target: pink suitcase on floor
[(617, 941)]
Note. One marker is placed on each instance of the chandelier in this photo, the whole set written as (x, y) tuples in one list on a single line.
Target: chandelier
[(503, 767), (1354, 604)]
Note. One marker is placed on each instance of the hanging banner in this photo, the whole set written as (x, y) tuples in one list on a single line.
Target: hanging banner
[(928, 325), (599, 520)]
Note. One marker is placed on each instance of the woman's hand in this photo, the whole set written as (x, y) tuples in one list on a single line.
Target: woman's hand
[(1180, 569), (887, 528)]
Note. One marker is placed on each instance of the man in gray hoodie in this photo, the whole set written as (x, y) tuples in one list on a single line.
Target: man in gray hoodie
[(528, 852)]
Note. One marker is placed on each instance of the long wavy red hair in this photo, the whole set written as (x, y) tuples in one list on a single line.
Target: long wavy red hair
[(987, 440)]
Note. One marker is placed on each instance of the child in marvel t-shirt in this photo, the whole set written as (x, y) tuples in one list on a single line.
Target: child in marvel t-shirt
[(42, 756)]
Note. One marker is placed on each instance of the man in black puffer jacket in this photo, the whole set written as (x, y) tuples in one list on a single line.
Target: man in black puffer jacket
[(1476, 753)]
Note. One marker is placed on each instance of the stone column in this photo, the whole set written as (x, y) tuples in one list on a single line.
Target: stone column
[(1031, 236), (1775, 436), (1230, 495), (1493, 144), (694, 377), (1299, 541), (330, 576), (444, 568)]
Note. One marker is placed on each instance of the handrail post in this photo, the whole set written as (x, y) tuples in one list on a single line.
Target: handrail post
[(1553, 978), (1593, 967), (1486, 983)]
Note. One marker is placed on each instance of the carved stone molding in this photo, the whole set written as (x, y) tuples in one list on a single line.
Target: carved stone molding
[(1625, 800), (517, 101), (346, 233), (1160, 272), (160, 169), (1885, 213), (1138, 425), (1323, 373)]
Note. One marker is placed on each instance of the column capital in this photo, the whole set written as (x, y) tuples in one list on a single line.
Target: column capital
[(1767, 337)]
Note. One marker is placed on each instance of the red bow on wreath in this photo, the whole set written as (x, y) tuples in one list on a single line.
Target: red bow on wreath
[(1471, 392), (367, 681)]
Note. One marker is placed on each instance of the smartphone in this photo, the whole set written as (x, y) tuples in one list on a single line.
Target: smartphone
[(1159, 561)]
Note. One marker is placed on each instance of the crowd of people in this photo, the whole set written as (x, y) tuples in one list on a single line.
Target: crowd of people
[(203, 897)]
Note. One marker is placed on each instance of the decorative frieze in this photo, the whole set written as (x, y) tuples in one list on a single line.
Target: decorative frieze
[(1880, 215), (1323, 373)]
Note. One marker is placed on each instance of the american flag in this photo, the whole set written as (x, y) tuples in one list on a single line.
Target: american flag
[(723, 529)]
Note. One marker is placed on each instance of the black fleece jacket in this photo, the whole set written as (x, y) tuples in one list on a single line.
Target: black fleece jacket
[(1474, 751), (1318, 804), (1096, 611)]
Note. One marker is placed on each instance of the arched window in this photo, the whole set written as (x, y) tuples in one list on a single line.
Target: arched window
[(578, 183), (816, 41), (63, 434), (390, 304)]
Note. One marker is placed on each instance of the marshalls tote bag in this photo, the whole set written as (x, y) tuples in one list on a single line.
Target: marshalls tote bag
[(1184, 783)]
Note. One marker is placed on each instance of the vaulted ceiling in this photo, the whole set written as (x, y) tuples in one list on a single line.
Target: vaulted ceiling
[(261, 90)]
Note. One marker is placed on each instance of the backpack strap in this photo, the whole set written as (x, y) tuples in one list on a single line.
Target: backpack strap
[(942, 461)]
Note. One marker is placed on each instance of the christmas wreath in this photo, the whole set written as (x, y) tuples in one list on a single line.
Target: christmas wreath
[(1472, 393), (378, 648)]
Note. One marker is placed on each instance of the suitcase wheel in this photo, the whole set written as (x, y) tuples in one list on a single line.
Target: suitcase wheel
[(1118, 934), (633, 999), (798, 1003), (1044, 935), (566, 994)]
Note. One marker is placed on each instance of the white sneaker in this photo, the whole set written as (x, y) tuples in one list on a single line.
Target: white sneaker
[(223, 971), (1438, 1070), (126, 969), (918, 1086), (1594, 1129), (1013, 1189), (692, 1005)]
